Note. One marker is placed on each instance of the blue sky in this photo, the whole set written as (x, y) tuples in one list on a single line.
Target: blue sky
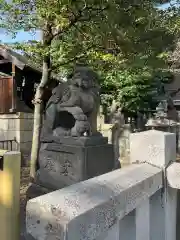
[(25, 36), (174, 2), (21, 36)]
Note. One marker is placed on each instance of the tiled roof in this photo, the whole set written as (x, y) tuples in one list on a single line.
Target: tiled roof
[(4, 75), (21, 61), (17, 59)]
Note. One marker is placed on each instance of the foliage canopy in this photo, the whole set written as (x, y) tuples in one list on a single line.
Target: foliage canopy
[(125, 41)]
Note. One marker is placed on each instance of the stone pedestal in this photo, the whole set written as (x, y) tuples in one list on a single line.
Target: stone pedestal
[(73, 160)]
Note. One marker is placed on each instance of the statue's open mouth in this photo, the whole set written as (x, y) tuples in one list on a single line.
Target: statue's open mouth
[(65, 120)]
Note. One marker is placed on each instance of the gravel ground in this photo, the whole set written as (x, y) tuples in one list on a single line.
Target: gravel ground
[(25, 183), (23, 189)]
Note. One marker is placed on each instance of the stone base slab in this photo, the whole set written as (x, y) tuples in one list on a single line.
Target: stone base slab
[(76, 141), (61, 165), (35, 190)]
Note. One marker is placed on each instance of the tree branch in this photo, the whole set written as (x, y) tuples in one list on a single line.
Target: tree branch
[(71, 23), (79, 17), (75, 58)]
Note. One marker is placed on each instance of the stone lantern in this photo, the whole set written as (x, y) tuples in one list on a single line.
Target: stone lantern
[(160, 121)]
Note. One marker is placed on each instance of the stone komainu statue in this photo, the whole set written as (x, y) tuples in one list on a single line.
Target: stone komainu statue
[(73, 107)]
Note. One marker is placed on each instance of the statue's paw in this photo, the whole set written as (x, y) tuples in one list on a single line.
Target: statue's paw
[(74, 132), (81, 128), (80, 117), (61, 132)]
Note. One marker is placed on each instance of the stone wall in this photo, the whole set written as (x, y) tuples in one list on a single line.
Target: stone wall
[(17, 127)]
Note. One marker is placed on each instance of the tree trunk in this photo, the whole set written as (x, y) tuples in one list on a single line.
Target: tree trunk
[(38, 107), (36, 134), (38, 104)]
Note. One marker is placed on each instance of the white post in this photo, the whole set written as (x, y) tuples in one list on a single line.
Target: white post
[(143, 221), (127, 227), (113, 233), (159, 149), (170, 214)]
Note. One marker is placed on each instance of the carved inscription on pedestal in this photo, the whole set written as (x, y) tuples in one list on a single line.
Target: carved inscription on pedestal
[(49, 164), (61, 163), (67, 167)]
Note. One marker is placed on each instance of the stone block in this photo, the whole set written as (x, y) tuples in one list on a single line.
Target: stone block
[(17, 127), (25, 136), (26, 146), (19, 121), (24, 115), (25, 158), (154, 147), (13, 124), (62, 165), (90, 209), (20, 136), (9, 116), (9, 124), (9, 135), (26, 124)]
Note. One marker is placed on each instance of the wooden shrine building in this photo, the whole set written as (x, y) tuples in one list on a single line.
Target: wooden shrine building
[(18, 80)]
